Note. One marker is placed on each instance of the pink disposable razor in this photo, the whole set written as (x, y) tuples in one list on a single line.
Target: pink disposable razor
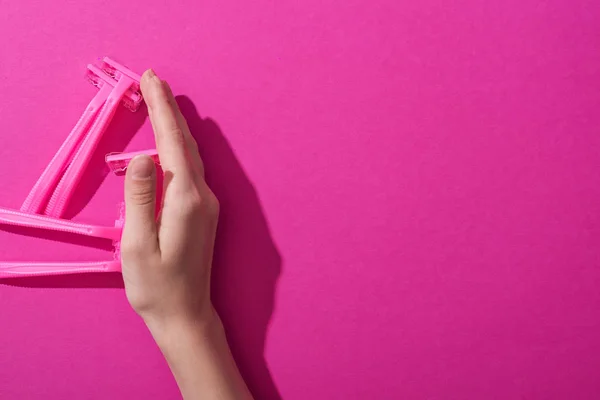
[(28, 269), (118, 162), (55, 186), (125, 81), (116, 84)]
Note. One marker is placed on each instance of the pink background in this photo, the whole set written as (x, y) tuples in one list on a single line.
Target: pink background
[(410, 194)]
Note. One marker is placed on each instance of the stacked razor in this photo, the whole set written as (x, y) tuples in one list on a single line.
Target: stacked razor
[(45, 205)]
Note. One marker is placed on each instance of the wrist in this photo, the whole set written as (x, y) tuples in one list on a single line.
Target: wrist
[(166, 330), (198, 354)]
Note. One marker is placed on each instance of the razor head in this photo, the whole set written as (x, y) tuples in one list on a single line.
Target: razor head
[(116, 70), (118, 162), (111, 72)]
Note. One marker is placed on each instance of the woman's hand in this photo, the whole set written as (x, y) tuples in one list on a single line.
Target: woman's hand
[(167, 260)]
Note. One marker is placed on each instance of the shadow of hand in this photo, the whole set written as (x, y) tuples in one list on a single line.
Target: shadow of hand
[(246, 263)]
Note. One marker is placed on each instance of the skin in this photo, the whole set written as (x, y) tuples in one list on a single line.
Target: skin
[(167, 260)]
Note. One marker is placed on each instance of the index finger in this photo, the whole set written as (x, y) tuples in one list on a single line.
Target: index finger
[(170, 140), (190, 142)]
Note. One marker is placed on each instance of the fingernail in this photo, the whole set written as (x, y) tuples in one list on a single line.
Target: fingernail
[(151, 76), (142, 168)]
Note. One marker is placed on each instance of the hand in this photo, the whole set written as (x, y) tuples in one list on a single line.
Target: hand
[(167, 261)]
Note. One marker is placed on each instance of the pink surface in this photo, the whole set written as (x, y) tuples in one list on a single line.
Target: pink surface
[(410, 194)]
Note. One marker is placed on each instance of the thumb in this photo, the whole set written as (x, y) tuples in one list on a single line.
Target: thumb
[(140, 232)]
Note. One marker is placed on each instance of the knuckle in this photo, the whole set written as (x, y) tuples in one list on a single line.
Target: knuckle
[(142, 196), (213, 206), (175, 133), (190, 206), (132, 250), (162, 95), (194, 143), (196, 204)]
